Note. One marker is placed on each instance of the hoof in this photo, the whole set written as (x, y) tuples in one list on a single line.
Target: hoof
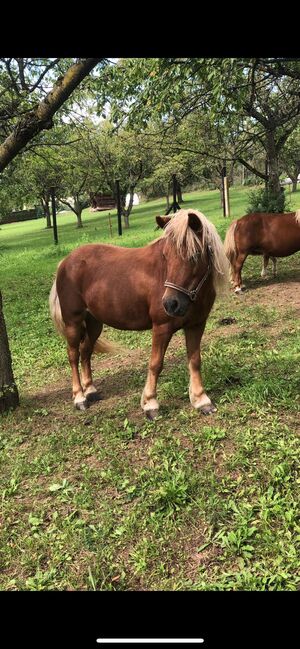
[(82, 405), (208, 409), (92, 397), (151, 414)]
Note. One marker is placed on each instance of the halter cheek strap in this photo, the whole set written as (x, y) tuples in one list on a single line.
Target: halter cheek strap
[(194, 292)]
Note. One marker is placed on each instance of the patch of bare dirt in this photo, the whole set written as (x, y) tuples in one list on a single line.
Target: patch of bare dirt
[(273, 292)]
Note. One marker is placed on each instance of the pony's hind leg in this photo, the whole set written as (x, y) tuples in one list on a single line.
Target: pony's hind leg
[(161, 336), (265, 265), (198, 396), (73, 336), (274, 261), (92, 332)]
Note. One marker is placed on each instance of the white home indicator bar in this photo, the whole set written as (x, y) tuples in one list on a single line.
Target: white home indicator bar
[(150, 640)]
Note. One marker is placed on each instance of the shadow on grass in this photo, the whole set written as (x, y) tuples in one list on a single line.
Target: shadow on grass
[(283, 276)]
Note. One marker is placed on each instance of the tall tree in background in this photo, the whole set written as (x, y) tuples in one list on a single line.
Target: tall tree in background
[(262, 94), (22, 118), (290, 157)]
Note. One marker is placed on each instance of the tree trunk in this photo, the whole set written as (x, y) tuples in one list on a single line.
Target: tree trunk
[(46, 208), (179, 193), (78, 213), (125, 212), (243, 175), (9, 396), (294, 178), (273, 164), (79, 221)]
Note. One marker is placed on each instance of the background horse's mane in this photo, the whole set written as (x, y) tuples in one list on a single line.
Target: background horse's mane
[(188, 244)]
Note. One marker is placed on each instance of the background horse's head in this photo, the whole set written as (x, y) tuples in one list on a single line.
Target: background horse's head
[(192, 251)]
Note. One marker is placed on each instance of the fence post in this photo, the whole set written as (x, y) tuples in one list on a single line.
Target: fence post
[(174, 193), (119, 207), (225, 192), (52, 190)]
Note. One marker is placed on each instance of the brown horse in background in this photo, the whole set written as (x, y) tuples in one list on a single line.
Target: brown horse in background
[(270, 235), (169, 284)]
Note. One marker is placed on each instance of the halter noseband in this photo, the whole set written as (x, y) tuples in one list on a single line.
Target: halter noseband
[(194, 292)]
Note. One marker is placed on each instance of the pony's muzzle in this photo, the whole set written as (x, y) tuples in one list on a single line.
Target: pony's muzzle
[(176, 305)]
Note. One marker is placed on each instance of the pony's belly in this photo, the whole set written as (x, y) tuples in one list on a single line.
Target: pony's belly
[(130, 319), (128, 325)]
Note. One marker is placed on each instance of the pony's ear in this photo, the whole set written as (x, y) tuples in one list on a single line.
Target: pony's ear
[(194, 222), (162, 221)]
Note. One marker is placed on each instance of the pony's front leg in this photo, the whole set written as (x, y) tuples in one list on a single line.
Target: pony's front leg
[(198, 396), (237, 276), (161, 336)]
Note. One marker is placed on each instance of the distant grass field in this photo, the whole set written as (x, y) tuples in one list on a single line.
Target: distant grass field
[(106, 500)]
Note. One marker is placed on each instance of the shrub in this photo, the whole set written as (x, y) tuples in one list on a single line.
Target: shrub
[(264, 200)]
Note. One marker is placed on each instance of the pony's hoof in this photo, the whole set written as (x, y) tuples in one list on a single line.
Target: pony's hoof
[(151, 414), (208, 409), (82, 405), (92, 397)]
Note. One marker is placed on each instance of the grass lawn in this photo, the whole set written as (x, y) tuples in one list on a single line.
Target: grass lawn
[(105, 499)]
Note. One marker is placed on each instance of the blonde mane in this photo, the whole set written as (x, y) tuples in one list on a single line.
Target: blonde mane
[(188, 244), (297, 216)]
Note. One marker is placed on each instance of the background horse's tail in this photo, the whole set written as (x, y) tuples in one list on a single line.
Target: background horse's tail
[(102, 346), (229, 243)]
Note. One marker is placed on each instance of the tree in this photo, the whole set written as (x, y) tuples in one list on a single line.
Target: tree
[(120, 155), (261, 94), (40, 117), (37, 172), (11, 195), (26, 127), (77, 166), (290, 157)]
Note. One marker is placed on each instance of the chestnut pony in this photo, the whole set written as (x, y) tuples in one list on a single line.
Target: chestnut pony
[(169, 284), (270, 235)]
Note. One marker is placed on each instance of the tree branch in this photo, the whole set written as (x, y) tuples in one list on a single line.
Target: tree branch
[(252, 169), (48, 67), (41, 117)]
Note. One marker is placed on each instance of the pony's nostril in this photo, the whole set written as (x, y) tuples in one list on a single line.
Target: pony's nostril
[(173, 305)]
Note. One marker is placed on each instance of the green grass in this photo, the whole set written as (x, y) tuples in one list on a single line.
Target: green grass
[(106, 500)]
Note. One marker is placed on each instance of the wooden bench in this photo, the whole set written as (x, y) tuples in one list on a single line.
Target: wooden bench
[(101, 202)]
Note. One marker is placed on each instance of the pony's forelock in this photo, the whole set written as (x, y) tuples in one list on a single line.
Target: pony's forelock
[(188, 244)]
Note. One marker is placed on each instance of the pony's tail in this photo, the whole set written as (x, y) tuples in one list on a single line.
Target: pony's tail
[(229, 243), (102, 346), (55, 311)]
